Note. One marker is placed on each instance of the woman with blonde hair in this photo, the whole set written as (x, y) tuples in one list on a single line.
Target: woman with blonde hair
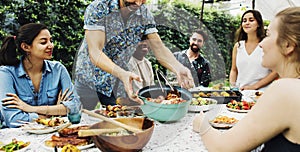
[(274, 120)]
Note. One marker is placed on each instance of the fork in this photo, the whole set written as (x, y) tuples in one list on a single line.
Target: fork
[(55, 149)]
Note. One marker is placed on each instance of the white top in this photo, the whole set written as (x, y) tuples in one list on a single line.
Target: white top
[(143, 69), (249, 67)]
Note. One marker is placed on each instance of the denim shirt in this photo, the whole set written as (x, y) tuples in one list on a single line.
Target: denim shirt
[(14, 79), (121, 40)]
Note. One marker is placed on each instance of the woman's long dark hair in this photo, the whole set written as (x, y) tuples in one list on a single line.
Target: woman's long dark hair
[(260, 32), (11, 46)]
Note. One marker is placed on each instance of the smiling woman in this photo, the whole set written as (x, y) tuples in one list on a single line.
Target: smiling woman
[(280, 101), (246, 68), (31, 85)]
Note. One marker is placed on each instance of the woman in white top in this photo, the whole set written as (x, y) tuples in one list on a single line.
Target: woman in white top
[(246, 69)]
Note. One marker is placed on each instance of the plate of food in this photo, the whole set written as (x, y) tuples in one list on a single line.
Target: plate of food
[(201, 104), (256, 95), (15, 145), (113, 111), (47, 125), (68, 137), (223, 122), (240, 106)]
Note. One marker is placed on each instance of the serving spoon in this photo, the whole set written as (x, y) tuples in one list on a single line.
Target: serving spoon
[(117, 123)]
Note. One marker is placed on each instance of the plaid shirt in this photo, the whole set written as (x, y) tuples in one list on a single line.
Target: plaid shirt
[(121, 40)]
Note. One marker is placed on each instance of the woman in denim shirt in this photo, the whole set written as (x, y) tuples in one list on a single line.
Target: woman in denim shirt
[(31, 86)]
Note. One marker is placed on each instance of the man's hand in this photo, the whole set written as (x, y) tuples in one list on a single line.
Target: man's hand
[(185, 78), (127, 78)]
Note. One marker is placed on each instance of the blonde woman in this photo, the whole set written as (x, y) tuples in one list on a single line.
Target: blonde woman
[(274, 120)]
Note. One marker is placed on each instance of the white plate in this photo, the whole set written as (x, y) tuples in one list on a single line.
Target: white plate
[(42, 129), (221, 125), (198, 108), (20, 150), (59, 149), (79, 147), (195, 108), (237, 110), (252, 94)]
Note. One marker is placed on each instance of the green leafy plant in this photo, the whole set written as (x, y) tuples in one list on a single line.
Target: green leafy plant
[(175, 20)]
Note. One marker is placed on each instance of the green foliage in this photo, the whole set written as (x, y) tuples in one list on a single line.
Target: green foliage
[(64, 19), (176, 20)]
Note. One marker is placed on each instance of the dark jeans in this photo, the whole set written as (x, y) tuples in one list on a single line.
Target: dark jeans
[(105, 100), (89, 97)]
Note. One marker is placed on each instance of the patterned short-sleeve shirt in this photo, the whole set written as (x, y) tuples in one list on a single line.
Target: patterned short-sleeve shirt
[(120, 43)]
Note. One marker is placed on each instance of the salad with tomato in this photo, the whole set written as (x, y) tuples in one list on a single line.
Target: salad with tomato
[(240, 105)]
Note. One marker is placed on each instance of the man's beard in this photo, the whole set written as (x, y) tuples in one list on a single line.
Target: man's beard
[(195, 50)]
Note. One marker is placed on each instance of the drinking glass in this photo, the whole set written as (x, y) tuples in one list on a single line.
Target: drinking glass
[(75, 118)]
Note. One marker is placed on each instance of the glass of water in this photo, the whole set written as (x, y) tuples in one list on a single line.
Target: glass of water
[(75, 118)]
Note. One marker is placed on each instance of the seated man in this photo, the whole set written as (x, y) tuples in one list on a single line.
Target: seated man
[(141, 66), (193, 60)]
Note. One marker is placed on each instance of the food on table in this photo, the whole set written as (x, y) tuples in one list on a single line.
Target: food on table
[(62, 141), (215, 94), (201, 104), (68, 136), (120, 133), (240, 105), (73, 131), (70, 148), (201, 101), (218, 86), (14, 145), (225, 94), (258, 93), (171, 98), (51, 122), (111, 111), (224, 120)]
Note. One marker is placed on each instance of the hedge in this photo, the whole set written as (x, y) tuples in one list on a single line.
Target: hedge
[(175, 24)]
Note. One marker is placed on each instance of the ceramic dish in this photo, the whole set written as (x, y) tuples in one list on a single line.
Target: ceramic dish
[(42, 129), (59, 149), (237, 110), (223, 122), (197, 107), (221, 125), (20, 150), (79, 147)]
